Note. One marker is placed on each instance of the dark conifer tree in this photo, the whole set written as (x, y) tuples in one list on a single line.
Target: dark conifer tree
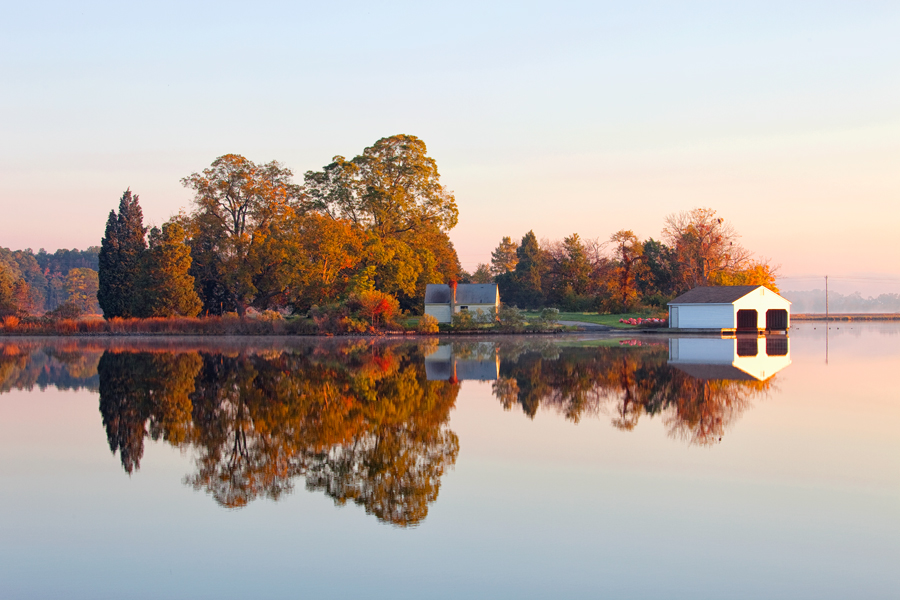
[(109, 275), (522, 286), (120, 258), (528, 272)]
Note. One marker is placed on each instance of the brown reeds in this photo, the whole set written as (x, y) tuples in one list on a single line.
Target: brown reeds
[(216, 326)]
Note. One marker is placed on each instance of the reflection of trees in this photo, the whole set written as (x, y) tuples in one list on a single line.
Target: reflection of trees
[(360, 422), (25, 365), (624, 383), (145, 394)]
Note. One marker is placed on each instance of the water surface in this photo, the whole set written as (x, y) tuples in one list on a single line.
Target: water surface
[(522, 467)]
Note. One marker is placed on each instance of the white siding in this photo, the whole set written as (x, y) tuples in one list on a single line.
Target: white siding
[(706, 316), (761, 301), (474, 308), (441, 312), (702, 350)]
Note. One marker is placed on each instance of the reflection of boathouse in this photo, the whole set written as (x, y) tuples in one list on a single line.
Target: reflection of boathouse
[(465, 361), (740, 358)]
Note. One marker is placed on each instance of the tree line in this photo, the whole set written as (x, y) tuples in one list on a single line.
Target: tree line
[(623, 273), (38, 283), (373, 229), (357, 242)]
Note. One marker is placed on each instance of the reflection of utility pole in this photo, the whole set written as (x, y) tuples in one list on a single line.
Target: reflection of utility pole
[(826, 319)]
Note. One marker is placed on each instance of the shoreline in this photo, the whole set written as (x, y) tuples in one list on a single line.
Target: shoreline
[(846, 317)]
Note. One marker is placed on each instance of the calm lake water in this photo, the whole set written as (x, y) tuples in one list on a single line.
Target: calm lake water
[(527, 467)]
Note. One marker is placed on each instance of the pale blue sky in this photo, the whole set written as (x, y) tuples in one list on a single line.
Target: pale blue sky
[(563, 117)]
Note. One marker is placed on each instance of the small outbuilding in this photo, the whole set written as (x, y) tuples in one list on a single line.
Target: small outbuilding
[(740, 308), (442, 301)]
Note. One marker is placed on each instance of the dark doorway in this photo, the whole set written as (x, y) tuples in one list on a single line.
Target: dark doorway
[(776, 346), (776, 318), (747, 346), (747, 319)]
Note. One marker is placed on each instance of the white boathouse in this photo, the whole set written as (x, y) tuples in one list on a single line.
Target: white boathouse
[(740, 308)]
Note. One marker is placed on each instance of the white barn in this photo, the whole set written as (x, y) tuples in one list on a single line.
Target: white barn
[(736, 307), (443, 301)]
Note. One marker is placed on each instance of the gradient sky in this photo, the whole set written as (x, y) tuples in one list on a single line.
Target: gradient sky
[(562, 117)]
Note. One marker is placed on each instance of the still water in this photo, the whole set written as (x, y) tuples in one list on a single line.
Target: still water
[(544, 467)]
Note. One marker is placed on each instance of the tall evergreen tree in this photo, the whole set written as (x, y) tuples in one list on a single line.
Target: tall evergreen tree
[(529, 271), (167, 288), (522, 286), (120, 258)]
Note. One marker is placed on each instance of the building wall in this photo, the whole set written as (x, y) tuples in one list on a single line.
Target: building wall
[(441, 312), (474, 308), (706, 316)]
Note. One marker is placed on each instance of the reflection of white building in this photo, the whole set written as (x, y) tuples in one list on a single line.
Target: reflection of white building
[(730, 358), (459, 362), (737, 307)]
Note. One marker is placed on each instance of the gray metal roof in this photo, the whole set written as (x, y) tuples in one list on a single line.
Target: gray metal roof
[(466, 293), (724, 294), (437, 293)]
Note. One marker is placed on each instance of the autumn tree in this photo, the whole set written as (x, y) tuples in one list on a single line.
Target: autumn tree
[(504, 257), (391, 188), (240, 207), (24, 266), (392, 194), (13, 291), (324, 259), (627, 267), (378, 307), (705, 246), (119, 260), (82, 286), (167, 287)]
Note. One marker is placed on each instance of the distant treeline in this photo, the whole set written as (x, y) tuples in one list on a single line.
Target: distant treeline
[(814, 302), (37, 283), (360, 238)]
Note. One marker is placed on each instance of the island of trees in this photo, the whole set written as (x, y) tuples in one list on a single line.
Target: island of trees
[(352, 247)]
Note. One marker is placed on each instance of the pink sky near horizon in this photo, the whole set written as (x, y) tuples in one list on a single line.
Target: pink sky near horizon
[(585, 119)]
